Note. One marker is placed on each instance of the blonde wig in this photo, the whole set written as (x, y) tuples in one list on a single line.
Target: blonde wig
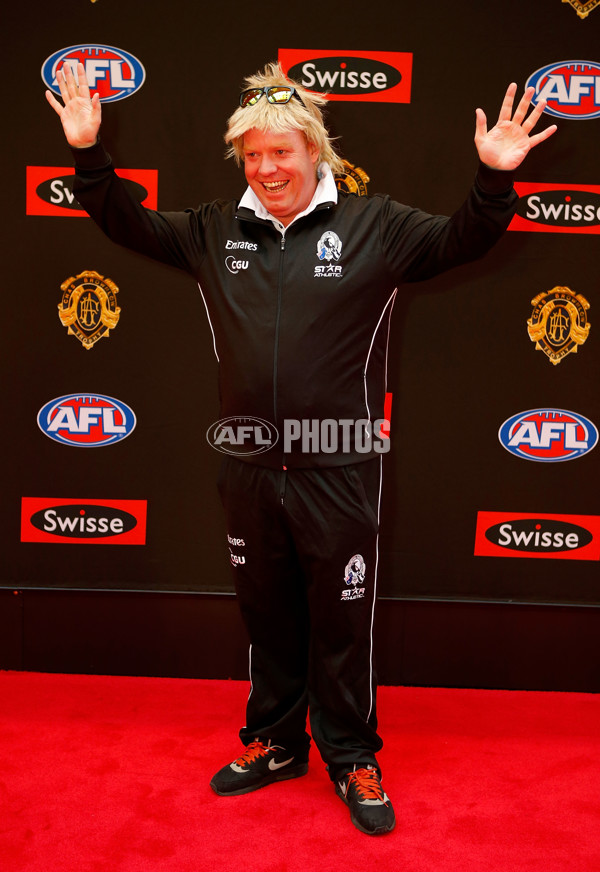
[(305, 116)]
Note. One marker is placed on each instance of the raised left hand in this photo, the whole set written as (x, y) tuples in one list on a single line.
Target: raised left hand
[(505, 146)]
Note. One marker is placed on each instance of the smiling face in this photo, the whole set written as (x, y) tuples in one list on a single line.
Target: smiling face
[(281, 170)]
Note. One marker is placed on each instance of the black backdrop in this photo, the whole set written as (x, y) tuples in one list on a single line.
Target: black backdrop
[(461, 361)]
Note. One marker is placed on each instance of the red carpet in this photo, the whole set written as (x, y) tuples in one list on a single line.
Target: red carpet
[(101, 774)]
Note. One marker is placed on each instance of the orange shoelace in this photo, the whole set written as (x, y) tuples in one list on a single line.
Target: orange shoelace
[(253, 751), (367, 784)]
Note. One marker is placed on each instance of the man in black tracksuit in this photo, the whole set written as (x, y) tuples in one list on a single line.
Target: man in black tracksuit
[(299, 281)]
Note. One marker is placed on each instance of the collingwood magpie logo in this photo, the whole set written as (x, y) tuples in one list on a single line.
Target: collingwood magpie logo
[(329, 246), (329, 249), (354, 575), (558, 323)]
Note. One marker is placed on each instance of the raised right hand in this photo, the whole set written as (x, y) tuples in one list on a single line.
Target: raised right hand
[(81, 114)]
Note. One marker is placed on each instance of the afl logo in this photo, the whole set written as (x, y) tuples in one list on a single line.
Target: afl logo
[(86, 420), (571, 89), (111, 72), (549, 435), (242, 436)]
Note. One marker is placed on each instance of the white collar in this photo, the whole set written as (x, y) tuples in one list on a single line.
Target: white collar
[(325, 192)]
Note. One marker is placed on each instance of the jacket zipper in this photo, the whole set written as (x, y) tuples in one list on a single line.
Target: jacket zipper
[(253, 219), (276, 343)]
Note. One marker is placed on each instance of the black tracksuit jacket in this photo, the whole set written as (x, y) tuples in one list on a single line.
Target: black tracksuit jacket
[(298, 336)]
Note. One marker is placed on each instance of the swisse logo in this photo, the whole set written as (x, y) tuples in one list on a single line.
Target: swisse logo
[(548, 435), (571, 89), (86, 522), (341, 75), (111, 72), (234, 265), (557, 208), (49, 190), (351, 75), (573, 537), (242, 436), (86, 420)]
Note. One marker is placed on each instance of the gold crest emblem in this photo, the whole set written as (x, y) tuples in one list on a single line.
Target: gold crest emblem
[(558, 323), (352, 180), (89, 307), (583, 7)]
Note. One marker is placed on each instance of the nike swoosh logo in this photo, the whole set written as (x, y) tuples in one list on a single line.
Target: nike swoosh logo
[(273, 766), (383, 801)]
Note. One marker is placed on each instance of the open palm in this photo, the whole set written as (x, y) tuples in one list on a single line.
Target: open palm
[(81, 114), (505, 146)]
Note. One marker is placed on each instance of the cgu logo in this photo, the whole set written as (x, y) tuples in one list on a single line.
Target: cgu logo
[(557, 208), (111, 72), (86, 420), (571, 89), (549, 435), (351, 75), (234, 265)]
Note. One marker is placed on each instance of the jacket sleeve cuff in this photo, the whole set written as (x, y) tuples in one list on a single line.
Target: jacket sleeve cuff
[(93, 158), (494, 182)]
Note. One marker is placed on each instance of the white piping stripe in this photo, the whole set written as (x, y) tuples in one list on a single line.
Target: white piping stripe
[(387, 344), (209, 322), (250, 671), (391, 300), (375, 587)]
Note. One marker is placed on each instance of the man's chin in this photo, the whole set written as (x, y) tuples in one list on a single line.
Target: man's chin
[(275, 208)]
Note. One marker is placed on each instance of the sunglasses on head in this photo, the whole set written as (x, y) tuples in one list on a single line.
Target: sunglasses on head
[(277, 94)]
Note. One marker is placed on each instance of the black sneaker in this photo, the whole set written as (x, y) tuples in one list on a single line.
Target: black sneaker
[(258, 766), (370, 809)]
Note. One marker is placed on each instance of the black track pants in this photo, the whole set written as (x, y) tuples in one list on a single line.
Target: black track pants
[(303, 544)]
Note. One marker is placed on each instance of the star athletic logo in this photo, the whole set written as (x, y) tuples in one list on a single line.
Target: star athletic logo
[(354, 576)]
